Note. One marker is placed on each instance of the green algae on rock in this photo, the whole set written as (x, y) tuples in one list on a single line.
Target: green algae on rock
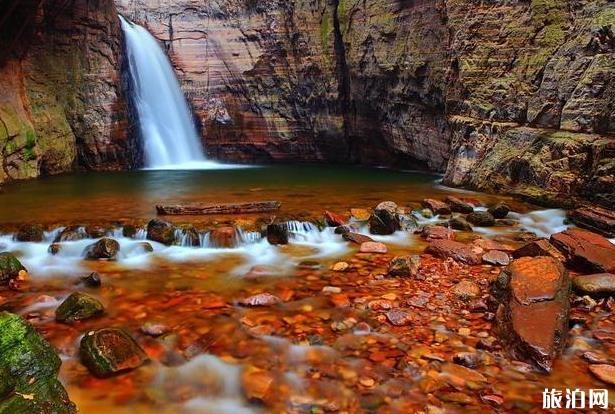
[(32, 366), (110, 351), (10, 267), (78, 307)]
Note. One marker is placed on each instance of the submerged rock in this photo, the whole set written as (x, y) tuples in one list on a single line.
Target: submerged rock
[(31, 365), (54, 248), (597, 285), (10, 268), (262, 299), (110, 351), (532, 317), (104, 249), (78, 307), (373, 247), (404, 266), (586, 251), (223, 237), (540, 247), (457, 205), (359, 214), (384, 220), (277, 233), (30, 233), (458, 251), (92, 280), (459, 223), (466, 290), (437, 233), (161, 231), (499, 211), (438, 207), (481, 219)]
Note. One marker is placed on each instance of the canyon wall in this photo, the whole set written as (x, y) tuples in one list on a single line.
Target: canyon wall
[(503, 95), (61, 105)]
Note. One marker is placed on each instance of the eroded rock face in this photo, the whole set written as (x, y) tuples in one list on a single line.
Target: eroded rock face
[(532, 318), (62, 103)]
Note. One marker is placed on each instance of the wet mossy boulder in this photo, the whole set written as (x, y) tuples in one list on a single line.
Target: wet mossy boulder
[(10, 267), (30, 233), (481, 219), (28, 371), (78, 307), (160, 231), (110, 351), (104, 249), (71, 233)]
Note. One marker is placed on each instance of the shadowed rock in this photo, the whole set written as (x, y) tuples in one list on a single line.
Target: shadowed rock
[(71, 233), (499, 211), (458, 205), (104, 249), (161, 232), (438, 207), (223, 237), (384, 220), (532, 317), (481, 219), (459, 223), (540, 247), (78, 307), (599, 220), (30, 233), (356, 238), (586, 251), (10, 267), (277, 233)]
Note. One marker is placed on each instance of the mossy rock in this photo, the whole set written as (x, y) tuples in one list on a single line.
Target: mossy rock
[(78, 307), (30, 366), (110, 351), (30, 233), (104, 249), (10, 267), (161, 232)]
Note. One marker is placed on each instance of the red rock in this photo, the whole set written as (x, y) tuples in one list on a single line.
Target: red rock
[(458, 205), (496, 257), (256, 384), (458, 251), (262, 299), (540, 247), (586, 251), (466, 290), (356, 238), (604, 372), (437, 233), (224, 237), (334, 220), (398, 317), (487, 244), (597, 219), (438, 207), (373, 247), (532, 318)]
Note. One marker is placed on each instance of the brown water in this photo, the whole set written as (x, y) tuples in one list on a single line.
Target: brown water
[(302, 359)]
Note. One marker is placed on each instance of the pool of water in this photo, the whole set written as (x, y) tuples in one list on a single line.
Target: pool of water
[(212, 344)]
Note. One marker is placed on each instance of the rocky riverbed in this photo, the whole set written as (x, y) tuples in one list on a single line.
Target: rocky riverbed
[(446, 306)]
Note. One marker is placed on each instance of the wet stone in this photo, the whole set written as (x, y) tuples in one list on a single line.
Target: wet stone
[(262, 299), (438, 207), (30, 233), (481, 219), (334, 219), (466, 290), (499, 211), (468, 359), (154, 329), (54, 248), (459, 223), (78, 307), (458, 251), (384, 220), (458, 205), (603, 372), (359, 214), (404, 266), (277, 234), (536, 248), (224, 237), (399, 317), (95, 232), (10, 268), (356, 238), (596, 219), (92, 280), (340, 267), (71, 233), (597, 285), (586, 251), (496, 257), (109, 351), (161, 231), (437, 233), (104, 249)]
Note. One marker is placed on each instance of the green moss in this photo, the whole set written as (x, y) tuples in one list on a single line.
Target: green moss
[(77, 307), (10, 267)]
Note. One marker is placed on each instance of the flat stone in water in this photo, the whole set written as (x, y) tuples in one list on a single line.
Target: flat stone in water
[(604, 372), (600, 284), (496, 257), (399, 317), (109, 351), (262, 299), (373, 247), (78, 307)]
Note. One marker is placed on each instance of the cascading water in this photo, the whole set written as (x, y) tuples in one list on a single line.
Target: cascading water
[(171, 140)]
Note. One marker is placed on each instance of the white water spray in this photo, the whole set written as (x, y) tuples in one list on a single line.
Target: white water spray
[(171, 140)]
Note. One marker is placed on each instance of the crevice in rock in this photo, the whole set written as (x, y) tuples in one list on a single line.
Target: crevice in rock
[(343, 78)]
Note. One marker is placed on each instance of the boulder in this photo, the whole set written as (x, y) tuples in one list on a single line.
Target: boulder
[(356, 238), (384, 220), (277, 233), (334, 220), (161, 231), (585, 251), (71, 233), (457, 205), (104, 249), (30, 233), (188, 236), (78, 307), (596, 285), (10, 267), (223, 237), (373, 247), (458, 251), (481, 219), (466, 290), (459, 223), (540, 247), (497, 258), (404, 266), (129, 230), (110, 351), (437, 233), (499, 211), (596, 219), (438, 207), (533, 311), (32, 366), (95, 232)]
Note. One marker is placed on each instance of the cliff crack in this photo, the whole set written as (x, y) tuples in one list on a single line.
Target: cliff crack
[(343, 76)]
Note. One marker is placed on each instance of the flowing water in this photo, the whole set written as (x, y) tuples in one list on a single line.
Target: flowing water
[(199, 365)]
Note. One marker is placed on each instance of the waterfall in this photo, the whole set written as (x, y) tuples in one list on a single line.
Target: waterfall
[(171, 140)]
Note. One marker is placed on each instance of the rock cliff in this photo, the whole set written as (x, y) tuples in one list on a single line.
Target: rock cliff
[(61, 105), (505, 95)]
